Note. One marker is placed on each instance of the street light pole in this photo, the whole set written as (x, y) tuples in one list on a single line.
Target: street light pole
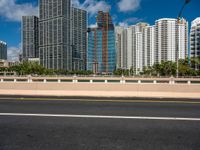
[(177, 51)]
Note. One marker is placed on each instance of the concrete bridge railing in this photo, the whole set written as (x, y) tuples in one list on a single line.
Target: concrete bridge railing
[(106, 80)]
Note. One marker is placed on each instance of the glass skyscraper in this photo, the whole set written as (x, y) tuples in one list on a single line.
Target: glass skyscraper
[(79, 38), (101, 55), (54, 34), (30, 38)]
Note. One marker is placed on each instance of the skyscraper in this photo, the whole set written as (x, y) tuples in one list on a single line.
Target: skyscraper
[(137, 46), (30, 46), (148, 46), (3, 50), (183, 39), (171, 36), (54, 34), (121, 47), (101, 56), (195, 41), (79, 38), (166, 39)]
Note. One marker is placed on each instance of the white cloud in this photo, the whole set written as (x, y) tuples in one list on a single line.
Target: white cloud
[(12, 11), (13, 52), (128, 5), (123, 24), (133, 20), (92, 6), (93, 25), (130, 21)]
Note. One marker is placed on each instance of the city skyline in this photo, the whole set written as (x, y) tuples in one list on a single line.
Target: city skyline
[(136, 12)]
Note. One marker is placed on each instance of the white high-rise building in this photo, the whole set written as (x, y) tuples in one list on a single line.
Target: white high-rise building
[(183, 38), (142, 45), (148, 46), (135, 47), (166, 40), (171, 36), (121, 46), (195, 40)]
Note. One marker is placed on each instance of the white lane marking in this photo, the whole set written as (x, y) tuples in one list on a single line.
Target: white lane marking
[(100, 117)]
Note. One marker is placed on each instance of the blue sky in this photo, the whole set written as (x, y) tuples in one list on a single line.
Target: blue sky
[(124, 12)]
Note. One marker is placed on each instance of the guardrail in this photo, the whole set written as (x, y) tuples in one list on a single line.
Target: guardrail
[(105, 80)]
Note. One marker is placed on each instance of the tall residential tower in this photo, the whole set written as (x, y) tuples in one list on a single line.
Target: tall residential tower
[(195, 41), (171, 37), (140, 46), (121, 46)]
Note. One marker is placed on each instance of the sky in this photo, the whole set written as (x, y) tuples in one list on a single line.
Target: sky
[(123, 12)]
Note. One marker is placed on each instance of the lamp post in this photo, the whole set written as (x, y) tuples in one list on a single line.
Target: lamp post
[(178, 21)]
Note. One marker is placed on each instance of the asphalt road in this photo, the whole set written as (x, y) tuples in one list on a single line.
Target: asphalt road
[(36, 124)]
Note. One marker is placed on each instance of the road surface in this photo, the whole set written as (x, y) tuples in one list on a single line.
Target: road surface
[(89, 124)]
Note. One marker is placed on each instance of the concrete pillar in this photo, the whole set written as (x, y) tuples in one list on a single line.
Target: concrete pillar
[(122, 81), (75, 81), (171, 81), (30, 80)]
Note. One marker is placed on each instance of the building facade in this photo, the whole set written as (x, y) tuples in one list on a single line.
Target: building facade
[(139, 50), (79, 38), (30, 45), (195, 41), (101, 55), (171, 39), (3, 50), (166, 40), (183, 39), (55, 49), (121, 47), (149, 49)]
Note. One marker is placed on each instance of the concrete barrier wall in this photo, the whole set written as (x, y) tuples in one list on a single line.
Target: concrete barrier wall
[(173, 88), (101, 87)]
